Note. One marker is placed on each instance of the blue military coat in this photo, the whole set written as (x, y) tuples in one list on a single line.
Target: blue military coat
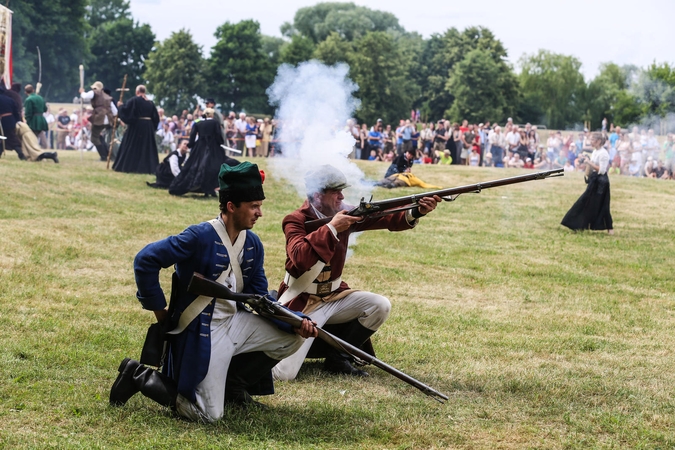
[(197, 249)]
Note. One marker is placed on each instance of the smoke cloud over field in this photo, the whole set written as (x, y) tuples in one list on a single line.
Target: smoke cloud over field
[(314, 102)]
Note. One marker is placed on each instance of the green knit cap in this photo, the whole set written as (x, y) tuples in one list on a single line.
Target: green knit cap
[(240, 183)]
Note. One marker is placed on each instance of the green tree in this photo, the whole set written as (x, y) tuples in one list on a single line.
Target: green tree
[(554, 84), (348, 20), (333, 50), (58, 28), (298, 50), (271, 47), (441, 53), (379, 68), (119, 47), (240, 70), (602, 94), (175, 72), (477, 87), (99, 12)]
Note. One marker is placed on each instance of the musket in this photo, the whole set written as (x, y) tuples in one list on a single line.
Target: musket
[(371, 209), (114, 128), (271, 309)]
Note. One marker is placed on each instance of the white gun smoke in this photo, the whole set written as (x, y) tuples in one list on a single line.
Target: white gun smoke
[(314, 103)]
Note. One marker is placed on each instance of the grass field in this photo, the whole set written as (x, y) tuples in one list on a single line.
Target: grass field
[(542, 338)]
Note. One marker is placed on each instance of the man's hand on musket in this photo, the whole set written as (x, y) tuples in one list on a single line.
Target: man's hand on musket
[(342, 221), (428, 204), (307, 329)]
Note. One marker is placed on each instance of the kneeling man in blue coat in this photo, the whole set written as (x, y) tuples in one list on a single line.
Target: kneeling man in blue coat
[(219, 353)]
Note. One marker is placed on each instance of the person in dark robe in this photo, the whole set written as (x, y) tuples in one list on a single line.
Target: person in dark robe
[(171, 166), (15, 94), (591, 210), (200, 171), (9, 116), (138, 151)]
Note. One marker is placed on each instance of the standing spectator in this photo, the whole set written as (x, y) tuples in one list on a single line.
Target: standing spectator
[(497, 142), (388, 139), (268, 131), (440, 138), (365, 147), (168, 143), (614, 137), (34, 109), (241, 123), (552, 146), (669, 151), (455, 142), (406, 136), (62, 128), (635, 164), (427, 136), (375, 139), (468, 138), (399, 137), (51, 125), (604, 124), (513, 140), (250, 136), (652, 146)]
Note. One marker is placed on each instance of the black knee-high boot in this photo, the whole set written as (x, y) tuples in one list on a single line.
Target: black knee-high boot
[(341, 363), (135, 377), (246, 371)]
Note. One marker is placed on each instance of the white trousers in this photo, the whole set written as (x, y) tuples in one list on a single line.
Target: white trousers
[(232, 334), (371, 310)]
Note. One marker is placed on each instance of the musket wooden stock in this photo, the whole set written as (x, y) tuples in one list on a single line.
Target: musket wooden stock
[(267, 308), (384, 207)]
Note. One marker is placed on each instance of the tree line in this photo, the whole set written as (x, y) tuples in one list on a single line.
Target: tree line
[(456, 75)]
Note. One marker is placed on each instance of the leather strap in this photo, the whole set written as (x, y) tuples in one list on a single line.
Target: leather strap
[(298, 285), (313, 287)]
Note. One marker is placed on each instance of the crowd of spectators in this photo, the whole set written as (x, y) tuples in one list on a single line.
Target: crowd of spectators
[(637, 153)]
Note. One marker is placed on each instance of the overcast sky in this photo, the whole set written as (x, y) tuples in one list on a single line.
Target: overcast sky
[(595, 31)]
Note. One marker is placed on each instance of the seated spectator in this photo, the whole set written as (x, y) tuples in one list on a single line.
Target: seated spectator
[(426, 158), (650, 168), (474, 158), (487, 160), (568, 167), (660, 171), (528, 163), (542, 162), (516, 162), (444, 157), (614, 169), (635, 164), (374, 156), (560, 160), (389, 156)]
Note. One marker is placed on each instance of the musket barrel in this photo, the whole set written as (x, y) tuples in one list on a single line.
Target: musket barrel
[(380, 207)]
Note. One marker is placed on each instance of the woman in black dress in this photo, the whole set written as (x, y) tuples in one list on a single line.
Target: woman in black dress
[(591, 210), (200, 171)]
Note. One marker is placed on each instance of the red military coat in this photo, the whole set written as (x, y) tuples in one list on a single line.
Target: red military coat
[(305, 247)]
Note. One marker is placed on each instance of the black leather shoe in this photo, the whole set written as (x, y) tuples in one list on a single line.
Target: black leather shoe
[(340, 365), (124, 386), (55, 157)]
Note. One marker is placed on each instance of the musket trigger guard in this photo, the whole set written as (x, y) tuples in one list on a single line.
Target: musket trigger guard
[(451, 198)]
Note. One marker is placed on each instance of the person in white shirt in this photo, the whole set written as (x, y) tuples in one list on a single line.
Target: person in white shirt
[(240, 125), (591, 210)]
